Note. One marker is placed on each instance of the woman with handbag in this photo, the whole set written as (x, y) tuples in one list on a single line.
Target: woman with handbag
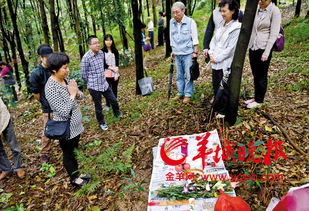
[(265, 30), (112, 60), (62, 98), (221, 53)]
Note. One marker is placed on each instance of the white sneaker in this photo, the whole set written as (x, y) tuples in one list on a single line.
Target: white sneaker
[(104, 126), (249, 101), (220, 116), (253, 105)]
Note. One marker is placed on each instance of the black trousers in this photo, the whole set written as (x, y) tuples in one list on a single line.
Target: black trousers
[(69, 157), (97, 99), (259, 71), (114, 85), (161, 36), (217, 76), (221, 95), (151, 35)]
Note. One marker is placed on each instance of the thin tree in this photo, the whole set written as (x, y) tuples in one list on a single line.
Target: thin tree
[(297, 9), (168, 48), (154, 12), (24, 62), (9, 36), (76, 23), (44, 21), (147, 5), (137, 43), (239, 58), (86, 22), (59, 33), (53, 24)]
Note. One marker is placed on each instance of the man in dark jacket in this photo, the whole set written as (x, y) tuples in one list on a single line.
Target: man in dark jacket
[(38, 80)]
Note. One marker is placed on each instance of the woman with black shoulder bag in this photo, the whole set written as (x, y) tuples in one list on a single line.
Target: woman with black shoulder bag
[(62, 98)]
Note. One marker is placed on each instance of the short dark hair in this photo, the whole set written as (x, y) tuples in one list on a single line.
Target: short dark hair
[(233, 5), (90, 38), (56, 60)]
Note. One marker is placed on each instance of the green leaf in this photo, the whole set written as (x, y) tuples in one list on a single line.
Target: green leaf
[(95, 208)]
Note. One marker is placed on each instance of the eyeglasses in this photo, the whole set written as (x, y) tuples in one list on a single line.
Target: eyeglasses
[(95, 43)]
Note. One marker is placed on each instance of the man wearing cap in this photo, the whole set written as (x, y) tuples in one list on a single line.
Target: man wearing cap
[(38, 80)]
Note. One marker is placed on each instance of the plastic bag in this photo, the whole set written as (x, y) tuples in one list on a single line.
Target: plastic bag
[(230, 203), (295, 200), (145, 84)]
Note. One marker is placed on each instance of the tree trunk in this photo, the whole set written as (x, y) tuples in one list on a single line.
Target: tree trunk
[(168, 48), (53, 24), (162, 2), (78, 28), (24, 62), (154, 12), (147, 4), (188, 6), (44, 21), (6, 50), (103, 22), (123, 37), (297, 10), (239, 58), (59, 34), (9, 36), (94, 28), (86, 18), (213, 4), (137, 42), (140, 10), (5, 37)]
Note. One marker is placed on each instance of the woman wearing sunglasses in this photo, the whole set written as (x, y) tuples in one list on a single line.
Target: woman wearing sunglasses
[(265, 31)]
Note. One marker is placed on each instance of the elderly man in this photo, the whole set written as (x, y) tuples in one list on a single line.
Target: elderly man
[(184, 43)]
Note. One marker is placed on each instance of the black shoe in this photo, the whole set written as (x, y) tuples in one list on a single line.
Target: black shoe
[(79, 185)]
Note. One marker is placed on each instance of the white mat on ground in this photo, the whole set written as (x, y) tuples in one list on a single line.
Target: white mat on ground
[(160, 169)]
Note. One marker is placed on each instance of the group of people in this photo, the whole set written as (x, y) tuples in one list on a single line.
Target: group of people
[(149, 36), (220, 41), (59, 96)]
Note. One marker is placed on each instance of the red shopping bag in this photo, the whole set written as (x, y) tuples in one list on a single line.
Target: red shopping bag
[(230, 203)]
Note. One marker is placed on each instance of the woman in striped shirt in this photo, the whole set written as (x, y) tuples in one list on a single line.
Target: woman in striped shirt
[(62, 98)]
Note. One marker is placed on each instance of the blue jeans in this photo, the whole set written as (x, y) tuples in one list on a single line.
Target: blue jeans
[(10, 138), (183, 82)]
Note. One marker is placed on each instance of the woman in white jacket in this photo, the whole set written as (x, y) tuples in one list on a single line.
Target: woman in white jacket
[(222, 47)]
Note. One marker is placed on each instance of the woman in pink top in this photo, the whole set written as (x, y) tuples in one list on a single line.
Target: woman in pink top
[(7, 75), (112, 59), (265, 31)]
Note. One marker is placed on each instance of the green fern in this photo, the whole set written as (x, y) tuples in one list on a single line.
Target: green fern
[(111, 160)]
